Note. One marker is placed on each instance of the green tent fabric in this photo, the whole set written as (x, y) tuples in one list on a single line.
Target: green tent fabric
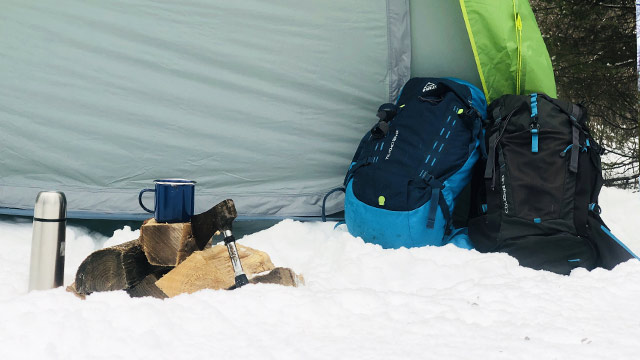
[(263, 102), (509, 50)]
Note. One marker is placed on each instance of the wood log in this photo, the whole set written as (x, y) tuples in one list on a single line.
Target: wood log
[(279, 275), (147, 287), (115, 268), (72, 289), (212, 269), (212, 221), (167, 244)]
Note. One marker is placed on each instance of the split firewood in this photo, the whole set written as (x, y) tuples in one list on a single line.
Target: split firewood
[(212, 269), (167, 244), (212, 221), (115, 268), (280, 276)]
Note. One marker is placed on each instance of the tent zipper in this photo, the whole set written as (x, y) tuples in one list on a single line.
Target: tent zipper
[(518, 26)]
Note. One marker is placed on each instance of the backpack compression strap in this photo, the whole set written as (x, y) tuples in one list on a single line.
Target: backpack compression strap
[(575, 115), (436, 200), (490, 168)]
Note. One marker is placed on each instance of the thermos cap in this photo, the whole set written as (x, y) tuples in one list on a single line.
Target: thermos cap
[(50, 205)]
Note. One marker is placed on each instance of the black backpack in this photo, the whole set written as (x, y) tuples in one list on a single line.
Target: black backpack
[(535, 196)]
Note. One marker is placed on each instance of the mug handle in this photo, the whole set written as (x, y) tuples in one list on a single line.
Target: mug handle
[(140, 200)]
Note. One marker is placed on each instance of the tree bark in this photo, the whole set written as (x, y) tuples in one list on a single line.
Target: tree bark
[(72, 289), (280, 276), (115, 268), (147, 287)]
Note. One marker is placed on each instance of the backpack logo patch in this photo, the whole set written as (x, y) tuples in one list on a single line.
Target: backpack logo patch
[(393, 142), (504, 196), (430, 86)]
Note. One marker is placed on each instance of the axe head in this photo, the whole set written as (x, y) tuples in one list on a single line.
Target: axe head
[(218, 218)]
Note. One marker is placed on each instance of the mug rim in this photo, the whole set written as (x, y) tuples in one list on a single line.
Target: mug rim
[(175, 182)]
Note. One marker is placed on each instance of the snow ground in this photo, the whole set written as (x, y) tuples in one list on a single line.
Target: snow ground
[(360, 302)]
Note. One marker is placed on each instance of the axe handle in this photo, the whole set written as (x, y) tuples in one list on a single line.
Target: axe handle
[(230, 242)]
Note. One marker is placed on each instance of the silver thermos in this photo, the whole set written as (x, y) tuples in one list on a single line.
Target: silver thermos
[(48, 245)]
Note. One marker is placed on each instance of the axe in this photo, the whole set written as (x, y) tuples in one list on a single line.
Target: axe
[(219, 219)]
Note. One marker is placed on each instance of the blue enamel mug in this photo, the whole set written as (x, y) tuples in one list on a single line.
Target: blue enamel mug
[(173, 200)]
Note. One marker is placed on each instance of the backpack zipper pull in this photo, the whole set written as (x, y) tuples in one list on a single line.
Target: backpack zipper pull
[(535, 130), (564, 153)]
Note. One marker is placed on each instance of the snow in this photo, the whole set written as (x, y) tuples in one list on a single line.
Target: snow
[(359, 302)]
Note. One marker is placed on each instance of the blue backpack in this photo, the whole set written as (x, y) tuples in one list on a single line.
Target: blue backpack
[(407, 172)]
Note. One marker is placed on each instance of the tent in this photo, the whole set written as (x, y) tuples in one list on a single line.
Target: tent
[(262, 102)]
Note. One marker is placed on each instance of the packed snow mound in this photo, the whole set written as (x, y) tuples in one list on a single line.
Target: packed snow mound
[(359, 302)]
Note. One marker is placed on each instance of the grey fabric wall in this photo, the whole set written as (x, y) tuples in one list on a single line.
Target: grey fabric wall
[(260, 101), (440, 44)]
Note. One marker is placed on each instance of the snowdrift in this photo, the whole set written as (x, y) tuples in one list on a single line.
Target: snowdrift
[(360, 302)]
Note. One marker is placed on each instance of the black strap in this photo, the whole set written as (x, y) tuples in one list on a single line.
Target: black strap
[(448, 88), (489, 172), (49, 220), (582, 195), (554, 102), (491, 156), (575, 148), (446, 212), (498, 129), (433, 207), (493, 193), (229, 239), (324, 201), (437, 200), (595, 160)]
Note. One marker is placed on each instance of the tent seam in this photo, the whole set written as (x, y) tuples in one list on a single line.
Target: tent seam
[(389, 52), (465, 16)]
